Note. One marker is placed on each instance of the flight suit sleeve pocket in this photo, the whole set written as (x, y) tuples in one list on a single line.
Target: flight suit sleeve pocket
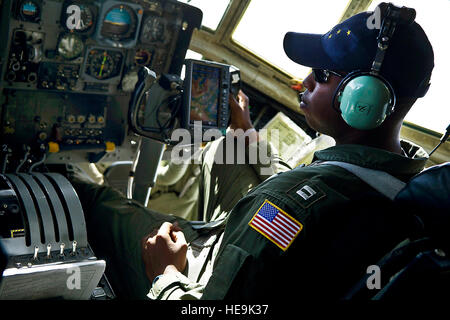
[(229, 264)]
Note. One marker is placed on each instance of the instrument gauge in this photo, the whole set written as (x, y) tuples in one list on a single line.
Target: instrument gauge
[(86, 20), (142, 57), (119, 23), (100, 65), (29, 11), (103, 64), (70, 46), (153, 30)]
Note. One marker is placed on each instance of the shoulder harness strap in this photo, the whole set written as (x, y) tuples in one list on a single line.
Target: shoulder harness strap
[(381, 181)]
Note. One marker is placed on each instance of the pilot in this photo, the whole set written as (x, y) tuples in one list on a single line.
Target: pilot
[(313, 230)]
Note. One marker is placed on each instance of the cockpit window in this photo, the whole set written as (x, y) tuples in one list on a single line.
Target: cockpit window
[(265, 22), (213, 11), (432, 111)]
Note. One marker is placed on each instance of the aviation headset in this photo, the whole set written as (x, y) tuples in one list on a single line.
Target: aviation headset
[(366, 98)]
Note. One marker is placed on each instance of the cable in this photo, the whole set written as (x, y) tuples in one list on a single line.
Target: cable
[(163, 128), (133, 170), (169, 123), (37, 163), (5, 161), (27, 152), (172, 83), (173, 114), (443, 139), (44, 157)]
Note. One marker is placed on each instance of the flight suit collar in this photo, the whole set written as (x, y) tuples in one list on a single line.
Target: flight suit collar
[(412, 162)]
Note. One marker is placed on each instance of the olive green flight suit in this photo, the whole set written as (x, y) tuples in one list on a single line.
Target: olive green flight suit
[(116, 225), (345, 227)]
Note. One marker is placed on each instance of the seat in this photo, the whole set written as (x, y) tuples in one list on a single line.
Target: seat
[(419, 267)]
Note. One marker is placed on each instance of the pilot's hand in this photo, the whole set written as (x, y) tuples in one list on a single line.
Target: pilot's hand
[(164, 252), (240, 114)]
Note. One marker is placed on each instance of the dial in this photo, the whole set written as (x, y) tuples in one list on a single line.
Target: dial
[(81, 20), (119, 23), (153, 30), (29, 11), (70, 46), (103, 64), (142, 57)]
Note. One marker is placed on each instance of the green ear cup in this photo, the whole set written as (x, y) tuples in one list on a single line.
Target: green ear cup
[(365, 102)]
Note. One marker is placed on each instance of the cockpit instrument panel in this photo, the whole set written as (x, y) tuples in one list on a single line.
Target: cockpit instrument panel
[(68, 74), (118, 36), (78, 59)]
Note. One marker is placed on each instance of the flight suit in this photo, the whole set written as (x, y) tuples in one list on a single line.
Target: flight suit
[(344, 226), (116, 225)]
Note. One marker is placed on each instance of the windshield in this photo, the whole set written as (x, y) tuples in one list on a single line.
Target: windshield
[(264, 24)]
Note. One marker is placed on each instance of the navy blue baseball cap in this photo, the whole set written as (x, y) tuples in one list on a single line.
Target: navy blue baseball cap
[(352, 45)]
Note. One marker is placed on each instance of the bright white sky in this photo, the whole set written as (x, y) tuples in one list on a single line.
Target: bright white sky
[(264, 24)]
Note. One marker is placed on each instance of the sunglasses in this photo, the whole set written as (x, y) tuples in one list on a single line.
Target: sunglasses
[(322, 75)]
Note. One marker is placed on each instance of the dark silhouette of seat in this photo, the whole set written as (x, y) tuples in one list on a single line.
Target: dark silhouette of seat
[(419, 267)]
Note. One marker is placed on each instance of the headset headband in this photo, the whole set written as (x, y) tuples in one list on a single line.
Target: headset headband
[(391, 15)]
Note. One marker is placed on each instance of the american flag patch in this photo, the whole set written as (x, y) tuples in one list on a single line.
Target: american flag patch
[(276, 225)]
